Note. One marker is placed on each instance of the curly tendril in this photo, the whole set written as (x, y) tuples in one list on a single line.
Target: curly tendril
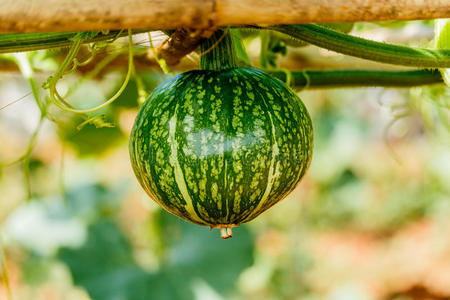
[(59, 101)]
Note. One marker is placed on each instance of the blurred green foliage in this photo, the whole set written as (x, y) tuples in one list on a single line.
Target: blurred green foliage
[(90, 139), (369, 191), (192, 256), (104, 263)]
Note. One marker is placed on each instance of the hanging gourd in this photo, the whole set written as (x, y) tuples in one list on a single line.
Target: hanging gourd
[(220, 145)]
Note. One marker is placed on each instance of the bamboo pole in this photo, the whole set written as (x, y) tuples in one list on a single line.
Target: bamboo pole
[(80, 15)]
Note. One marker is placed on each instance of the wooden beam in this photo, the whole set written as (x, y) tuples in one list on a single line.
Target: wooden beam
[(83, 15), (79, 15), (327, 11)]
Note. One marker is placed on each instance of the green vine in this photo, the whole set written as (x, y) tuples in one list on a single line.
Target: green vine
[(357, 78), (10, 43), (363, 48)]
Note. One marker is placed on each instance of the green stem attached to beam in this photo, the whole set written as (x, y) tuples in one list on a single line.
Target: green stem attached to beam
[(218, 52)]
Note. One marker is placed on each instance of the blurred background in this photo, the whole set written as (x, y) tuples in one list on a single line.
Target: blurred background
[(369, 221)]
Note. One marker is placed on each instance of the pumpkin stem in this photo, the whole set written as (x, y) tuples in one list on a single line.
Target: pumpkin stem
[(218, 52), (226, 232)]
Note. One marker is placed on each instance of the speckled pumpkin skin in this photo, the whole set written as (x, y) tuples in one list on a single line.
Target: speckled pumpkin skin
[(218, 148)]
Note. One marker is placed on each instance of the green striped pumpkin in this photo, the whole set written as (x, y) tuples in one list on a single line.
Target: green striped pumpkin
[(218, 148)]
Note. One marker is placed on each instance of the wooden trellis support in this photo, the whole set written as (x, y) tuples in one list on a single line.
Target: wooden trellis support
[(79, 15)]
